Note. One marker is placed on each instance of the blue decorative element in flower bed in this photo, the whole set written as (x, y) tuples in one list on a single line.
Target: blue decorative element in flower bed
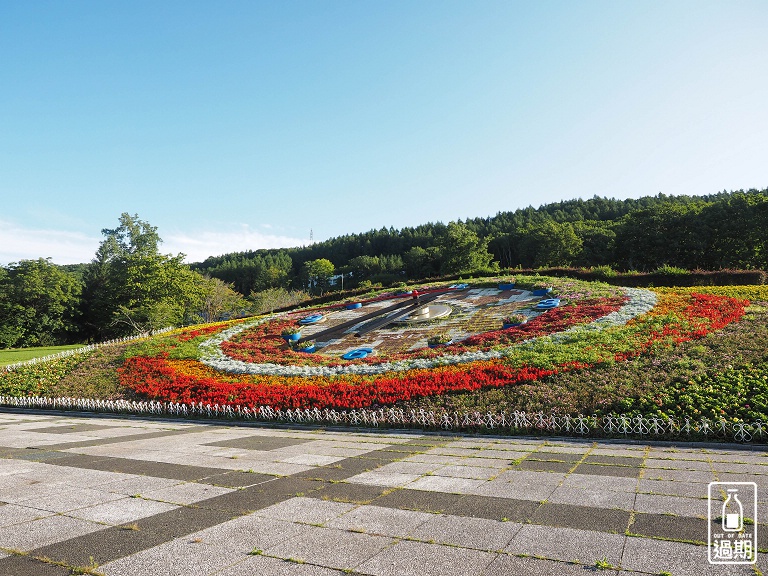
[(308, 349), (311, 319), (354, 306), (541, 291), (508, 326), (291, 337), (506, 286), (548, 304), (459, 286), (357, 353)]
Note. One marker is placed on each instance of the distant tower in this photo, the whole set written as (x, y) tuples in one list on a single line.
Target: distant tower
[(311, 241)]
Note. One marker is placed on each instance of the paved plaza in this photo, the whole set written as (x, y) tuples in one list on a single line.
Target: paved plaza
[(125, 496)]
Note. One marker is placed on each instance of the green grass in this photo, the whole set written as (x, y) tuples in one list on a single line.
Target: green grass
[(13, 355), (88, 375)]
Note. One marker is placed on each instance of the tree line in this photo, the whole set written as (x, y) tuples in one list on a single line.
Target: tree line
[(716, 231), (131, 286)]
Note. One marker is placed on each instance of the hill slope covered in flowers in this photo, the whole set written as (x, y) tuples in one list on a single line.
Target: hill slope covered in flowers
[(660, 352)]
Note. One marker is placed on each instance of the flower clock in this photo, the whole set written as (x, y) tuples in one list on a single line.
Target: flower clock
[(384, 350)]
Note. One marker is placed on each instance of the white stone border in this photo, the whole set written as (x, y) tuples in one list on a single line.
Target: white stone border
[(640, 302)]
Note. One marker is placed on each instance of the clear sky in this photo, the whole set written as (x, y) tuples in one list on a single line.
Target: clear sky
[(235, 125)]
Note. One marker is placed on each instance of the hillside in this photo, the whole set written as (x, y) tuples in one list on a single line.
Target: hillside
[(710, 232), (683, 361)]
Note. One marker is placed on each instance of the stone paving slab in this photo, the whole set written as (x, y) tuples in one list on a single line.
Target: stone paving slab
[(36, 533), (72, 428), (306, 510), (11, 514), (596, 498), (380, 521), (434, 502), (249, 533), (477, 533), (677, 558), (677, 505), (186, 493), (122, 511), (331, 548), (149, 496), (568, 544), (72, 500), (607, 483), (276, 567), (184, 557), (420, 559)]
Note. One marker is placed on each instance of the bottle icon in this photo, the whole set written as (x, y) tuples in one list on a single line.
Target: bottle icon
[(733, 513)]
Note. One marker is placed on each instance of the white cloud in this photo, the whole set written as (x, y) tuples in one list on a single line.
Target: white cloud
[(18, 243), (200, 246)]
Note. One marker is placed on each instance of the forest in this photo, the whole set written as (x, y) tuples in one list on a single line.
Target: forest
[(718, 231), (130, 287)]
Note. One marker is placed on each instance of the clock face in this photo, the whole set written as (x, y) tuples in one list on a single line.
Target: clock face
[(458, 314), (393, 333)]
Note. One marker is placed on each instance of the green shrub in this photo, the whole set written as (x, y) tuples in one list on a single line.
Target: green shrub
[(603, 272), (667, 270)]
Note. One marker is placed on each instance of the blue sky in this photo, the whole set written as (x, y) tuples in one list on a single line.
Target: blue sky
[(243, 125)]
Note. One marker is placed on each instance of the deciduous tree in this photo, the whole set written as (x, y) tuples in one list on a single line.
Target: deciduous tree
[(318, 274), (463, 251), (38, 304), (132, 287)]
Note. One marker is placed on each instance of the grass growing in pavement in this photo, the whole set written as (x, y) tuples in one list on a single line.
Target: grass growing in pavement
[(603, 564)]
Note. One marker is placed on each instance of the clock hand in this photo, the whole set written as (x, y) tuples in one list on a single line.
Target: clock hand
[(329, 333), (381, 322), (412, 304)]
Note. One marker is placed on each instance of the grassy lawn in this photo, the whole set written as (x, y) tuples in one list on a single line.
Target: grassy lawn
[(14, 355)]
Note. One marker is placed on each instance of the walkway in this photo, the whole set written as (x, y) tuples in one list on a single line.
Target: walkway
[(125, 496)]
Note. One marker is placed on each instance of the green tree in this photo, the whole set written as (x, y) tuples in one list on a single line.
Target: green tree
[(392, 264), (422, 262), (218, 300), (249, 271), (271, 299), (363, 267), (318, 274), (550, 244), (463, 251), (38, 304), (598, 243), (132, 287)]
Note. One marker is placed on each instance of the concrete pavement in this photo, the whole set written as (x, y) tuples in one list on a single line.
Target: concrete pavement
[(123, 496)]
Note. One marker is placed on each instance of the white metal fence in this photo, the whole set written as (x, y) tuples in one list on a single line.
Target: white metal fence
[(611, 426), (81, 350)]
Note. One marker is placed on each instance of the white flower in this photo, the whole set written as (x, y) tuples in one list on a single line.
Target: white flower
[(640, 302)]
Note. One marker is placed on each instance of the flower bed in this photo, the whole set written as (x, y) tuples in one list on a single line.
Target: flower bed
[(567, 339), (259, 349), (577, 343)]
